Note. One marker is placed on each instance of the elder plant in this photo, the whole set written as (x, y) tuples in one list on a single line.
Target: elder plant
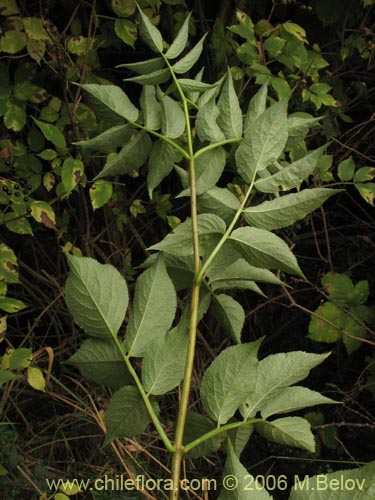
[(224, 244)]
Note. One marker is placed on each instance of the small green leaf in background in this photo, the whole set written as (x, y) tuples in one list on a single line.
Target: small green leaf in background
[(51, 133), (10, 305), (8, 265), (15, 359), (124, 8), (126, 30), (126, 414), (35, 379), (14, 117), (100, 193), (346, 169), (96, 296), (41, 211), (8, 7), (34, 28), (72, 173), (154, 308), (12, 42)]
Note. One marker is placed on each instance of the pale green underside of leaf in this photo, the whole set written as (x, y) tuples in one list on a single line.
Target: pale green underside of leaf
[(188, 61), (277, 371), (179, 43), (289, 431), (219, 201), (239, 437), (286, 210), (298, 125), (96, 296), (172, 118), (160, 164), (179, 241), (196, 426), (145, 67), (151, 108), (229, 380), (164, 362), (290, 176), (206, 123), (155, 78), (264, 141), (208, 169), (101, 362), (263, 249), (189, 85), (292, 399), (154, 308), (230, 114), (132, 156), (114, 98), (149, 33), (233, 467), (256, 107), (230, 315), (361, 484), (126, 414), (109, 140)]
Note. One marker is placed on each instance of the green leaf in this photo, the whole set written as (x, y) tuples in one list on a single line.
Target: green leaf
[(290, 176), (155, 78), (289, 431), (36, 379), (96, 296), (264, 141), (126, 414), (132, 156), (340, 288), (286, 210), (101, 362), (145, 67), (277, 371), (150, 34), (239, 437), (367, 191), (8, 7), (14, 117), (108, 140), (358, 484), (41, 211), (188, 61), (162, 159), (8, 265), (114, 98), (16, 359), (51, 133), (196, 426), (12, 41), (295, 30), (206, 123), (179, 43), (154, 309), (10, 305), (124, 8), (17, 225), (364, 174), (208, 169), (260, 248), (230, 114), (72, 173), (219, 201), (151, 108), (298, 125), (292, 399), (230, 315), (242, 480), (126, 30), (321, 331), (346, 169), (179, 241), (100, 193), (164, 362), (256, 107), (228, 381), (6, 375), (34, 29), (195, 86), (172, 118)]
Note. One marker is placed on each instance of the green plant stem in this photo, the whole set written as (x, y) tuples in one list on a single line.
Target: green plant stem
[(226, 235), (138, 383), (216, 145), (174, 144), (219, 430), (193, 320)]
